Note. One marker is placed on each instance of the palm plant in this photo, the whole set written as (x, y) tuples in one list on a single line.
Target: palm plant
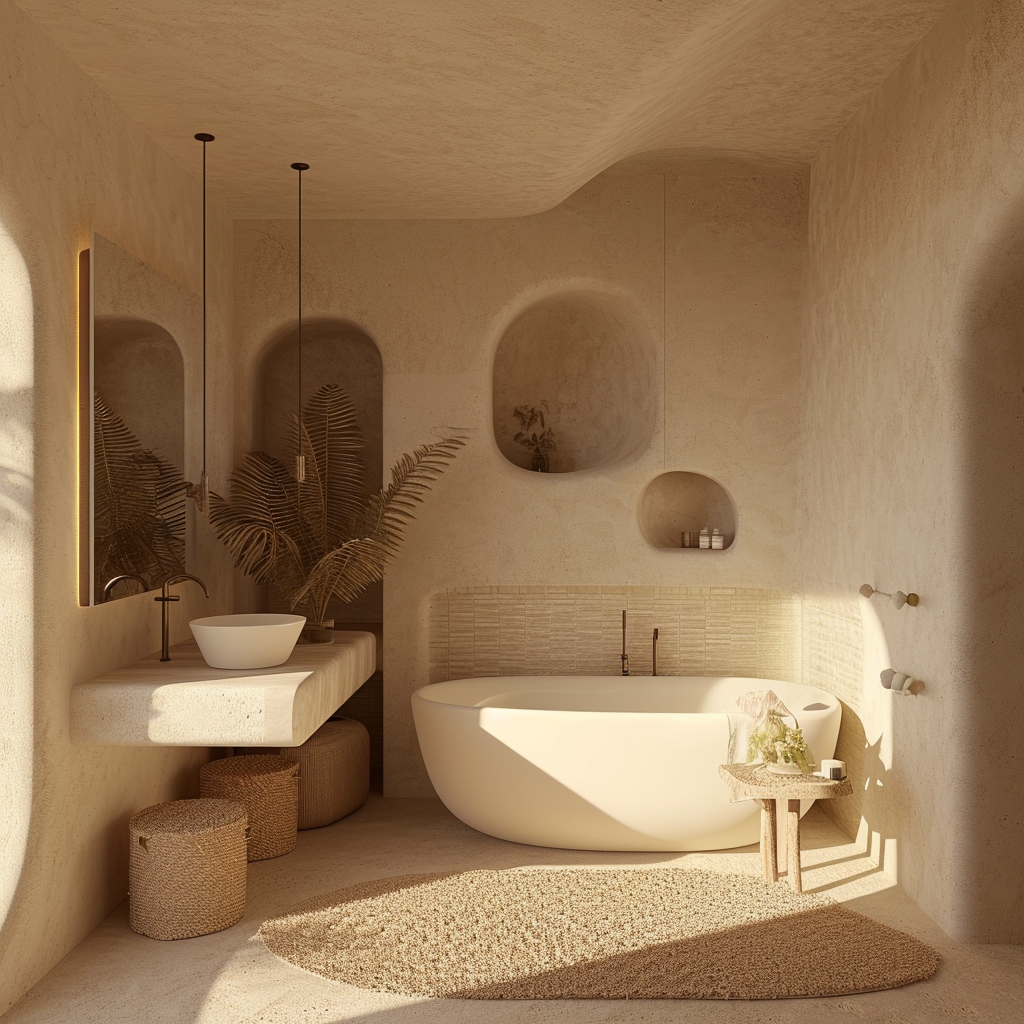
[(539, 445), (324, 537), (138, 505)]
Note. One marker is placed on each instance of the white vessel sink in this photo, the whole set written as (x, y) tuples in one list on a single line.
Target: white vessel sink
[(247, 641)]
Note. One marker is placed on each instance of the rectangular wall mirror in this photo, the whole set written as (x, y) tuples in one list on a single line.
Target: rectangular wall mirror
[(140, 342)]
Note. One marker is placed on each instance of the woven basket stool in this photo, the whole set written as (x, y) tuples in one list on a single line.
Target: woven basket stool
[(334, 771), (266, 785), (187, 868)]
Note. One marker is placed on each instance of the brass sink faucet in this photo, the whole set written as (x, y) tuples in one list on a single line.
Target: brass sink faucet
[(166, 597)]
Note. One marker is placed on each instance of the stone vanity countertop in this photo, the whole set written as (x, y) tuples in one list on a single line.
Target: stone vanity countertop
[(184, 702)]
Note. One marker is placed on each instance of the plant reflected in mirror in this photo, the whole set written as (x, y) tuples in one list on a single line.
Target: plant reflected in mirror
[(139, 506)]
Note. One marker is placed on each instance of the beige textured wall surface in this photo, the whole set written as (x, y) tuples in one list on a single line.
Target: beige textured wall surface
[(71, 163), (437, 296), (915, 371)]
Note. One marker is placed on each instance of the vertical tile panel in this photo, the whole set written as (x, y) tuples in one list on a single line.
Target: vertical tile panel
[(512, 634), (439, 640), (461, 659), (743, 608), (693, 629), (486, 650), (564, 640)]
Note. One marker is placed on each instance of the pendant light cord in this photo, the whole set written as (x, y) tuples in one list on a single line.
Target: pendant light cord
[(204, 138), (300, 462)]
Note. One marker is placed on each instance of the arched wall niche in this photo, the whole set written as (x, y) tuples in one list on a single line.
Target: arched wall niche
[(585, 361), (334, 351), (680, 501)]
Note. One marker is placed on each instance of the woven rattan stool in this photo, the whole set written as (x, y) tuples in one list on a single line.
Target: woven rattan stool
[(187, 868), (266, 785), (334, 771)]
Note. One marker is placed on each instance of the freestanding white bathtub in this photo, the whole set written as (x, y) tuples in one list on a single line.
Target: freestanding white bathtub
[(601, 762)]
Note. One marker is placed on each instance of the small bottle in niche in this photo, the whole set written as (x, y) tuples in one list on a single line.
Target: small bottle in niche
[(717, 540), (705, 538), (687, 539)]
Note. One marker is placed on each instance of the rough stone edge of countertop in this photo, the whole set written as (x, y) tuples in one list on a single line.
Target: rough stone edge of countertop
[(184, 702)]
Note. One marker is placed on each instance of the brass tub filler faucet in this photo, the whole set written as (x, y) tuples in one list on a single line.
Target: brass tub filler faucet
[(625, 656)]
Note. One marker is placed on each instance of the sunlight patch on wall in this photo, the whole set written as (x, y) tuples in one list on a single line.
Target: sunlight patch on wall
[(16, 563)]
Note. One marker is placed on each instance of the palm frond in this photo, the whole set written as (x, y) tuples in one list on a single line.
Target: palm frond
[(324, 537), (262, 525), (138, 504), (331, 442), (349, 569), (345, 572), (389, 512)]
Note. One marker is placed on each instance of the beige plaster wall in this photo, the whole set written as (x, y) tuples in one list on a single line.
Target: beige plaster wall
[(71, 163), (914, 373), (719, 293)]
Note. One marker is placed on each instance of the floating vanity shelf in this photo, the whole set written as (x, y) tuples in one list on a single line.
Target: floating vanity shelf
[(679, 501), (184, 702)]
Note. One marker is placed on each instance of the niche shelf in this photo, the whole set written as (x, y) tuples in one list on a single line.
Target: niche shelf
[(679, 501), (587, 362)]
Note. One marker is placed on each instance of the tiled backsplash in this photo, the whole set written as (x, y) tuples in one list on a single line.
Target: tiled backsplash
[(833, 635), (486, 631)]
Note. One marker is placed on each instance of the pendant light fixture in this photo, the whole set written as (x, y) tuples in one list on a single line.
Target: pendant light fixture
[(300, 459), (202, 492)]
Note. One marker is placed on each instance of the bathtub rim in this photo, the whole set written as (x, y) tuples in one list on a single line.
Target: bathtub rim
[(445, 692)]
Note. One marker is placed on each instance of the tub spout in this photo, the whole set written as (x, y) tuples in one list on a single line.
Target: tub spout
[(625, 656)]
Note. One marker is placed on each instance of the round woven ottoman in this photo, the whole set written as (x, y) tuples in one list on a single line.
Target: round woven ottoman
[(266, 784), (187, 868), (334, 771)]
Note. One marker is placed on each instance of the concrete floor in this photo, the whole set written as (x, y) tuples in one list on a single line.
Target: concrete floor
[(229, 978)]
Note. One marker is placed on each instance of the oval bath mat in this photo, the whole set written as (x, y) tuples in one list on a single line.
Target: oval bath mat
[(571, 933)]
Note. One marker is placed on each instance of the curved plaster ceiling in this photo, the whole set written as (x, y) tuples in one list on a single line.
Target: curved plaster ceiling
[(474, 108)]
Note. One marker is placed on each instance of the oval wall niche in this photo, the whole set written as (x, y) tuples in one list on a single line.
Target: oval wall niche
[(585, 363), (679, 502)]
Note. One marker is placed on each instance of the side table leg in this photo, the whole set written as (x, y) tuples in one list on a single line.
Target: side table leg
[(793, 844), (769, 841)]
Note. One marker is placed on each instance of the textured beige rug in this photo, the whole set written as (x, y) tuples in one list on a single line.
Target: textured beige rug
[(534, 933)]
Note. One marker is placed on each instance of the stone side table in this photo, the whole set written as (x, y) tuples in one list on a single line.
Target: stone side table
[(754, 780)]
